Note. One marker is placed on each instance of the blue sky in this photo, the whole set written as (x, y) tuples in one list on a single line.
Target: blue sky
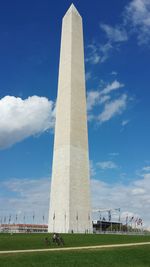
[(117, 60)]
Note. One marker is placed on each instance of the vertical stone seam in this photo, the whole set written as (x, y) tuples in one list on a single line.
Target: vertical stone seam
[(71, 32)]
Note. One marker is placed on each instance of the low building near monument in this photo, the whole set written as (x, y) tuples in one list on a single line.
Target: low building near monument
[(106, 226), (23, 228)]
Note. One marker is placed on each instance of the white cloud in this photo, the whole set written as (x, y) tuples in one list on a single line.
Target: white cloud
[(104, 99), (124, 122), (137, 17), (25, 197), (135, 20), (96, 58), (113, 108), (114, 154), (104, 165), (98, 53), (23, 118), (28, 196), (99, 97), (138, 191), (105, 51), (92, 99), (95, 98), (133, 198), (111, 87), (92, 169), (93, 56), (114, 34), (146, 168), (88, 75), (115, 73)]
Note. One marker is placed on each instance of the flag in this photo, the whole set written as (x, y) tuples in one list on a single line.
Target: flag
[(54, 216), (139, 221), (131, 219), (109, 215)]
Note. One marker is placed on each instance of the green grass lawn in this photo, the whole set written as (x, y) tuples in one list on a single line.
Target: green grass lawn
[(31, 241), (115, 257)]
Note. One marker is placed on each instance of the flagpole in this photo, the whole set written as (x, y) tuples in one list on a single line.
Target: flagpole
[(65, 222), (77, 221), (54, 222)]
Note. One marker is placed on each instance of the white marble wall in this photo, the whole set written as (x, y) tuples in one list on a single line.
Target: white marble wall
[(70, 207)]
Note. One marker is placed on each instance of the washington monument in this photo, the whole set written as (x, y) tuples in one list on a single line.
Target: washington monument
[(70, 204)]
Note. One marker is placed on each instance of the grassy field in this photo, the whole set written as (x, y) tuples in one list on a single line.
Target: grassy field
[(33, 241), (118, 257), (114, 257)]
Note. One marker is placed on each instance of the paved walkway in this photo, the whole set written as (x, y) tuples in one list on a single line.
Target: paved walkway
[(75, 248)]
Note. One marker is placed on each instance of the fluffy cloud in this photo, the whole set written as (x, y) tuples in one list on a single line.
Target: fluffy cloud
[(99, 97), (133, 198), (92, 99), (114, 34), (115, 73), (114, 154), (102, 98), (23, 118), (88, 75), (146, 168), (135, 20), (93, 56), (105, 51), (28, 196), (113, 108), (104, 165), (137, 16), (113, 86), (124, 122), (92, 169), (98, 53)]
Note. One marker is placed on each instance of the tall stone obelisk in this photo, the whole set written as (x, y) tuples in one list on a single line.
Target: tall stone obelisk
[(70, 207)]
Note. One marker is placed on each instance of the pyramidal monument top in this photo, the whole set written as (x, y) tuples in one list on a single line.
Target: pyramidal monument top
[(72, 9)]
